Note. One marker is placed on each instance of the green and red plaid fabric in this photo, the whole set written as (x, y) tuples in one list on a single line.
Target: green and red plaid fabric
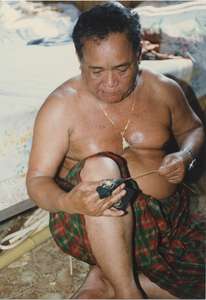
[(169, 243)]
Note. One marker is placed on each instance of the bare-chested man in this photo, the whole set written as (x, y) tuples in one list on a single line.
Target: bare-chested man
[(115, 121)]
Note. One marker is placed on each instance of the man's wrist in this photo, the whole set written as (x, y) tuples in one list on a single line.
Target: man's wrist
[(193, 159)]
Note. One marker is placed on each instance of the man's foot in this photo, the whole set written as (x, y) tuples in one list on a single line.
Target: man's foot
[(95, 286)]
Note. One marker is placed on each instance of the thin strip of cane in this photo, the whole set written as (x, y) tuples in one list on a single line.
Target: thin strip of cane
[(143, 174), (156, 171), (189, 188)]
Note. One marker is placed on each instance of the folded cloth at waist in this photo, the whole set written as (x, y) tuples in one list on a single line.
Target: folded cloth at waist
[(169, 243)]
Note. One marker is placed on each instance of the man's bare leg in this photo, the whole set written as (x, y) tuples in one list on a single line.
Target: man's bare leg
[(152, 290), (104, 289), (111, 242), (97, 285), (113, 251)]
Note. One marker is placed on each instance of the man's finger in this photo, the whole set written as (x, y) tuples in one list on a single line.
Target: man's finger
[(115, 198), (113, 213), (118, 189)]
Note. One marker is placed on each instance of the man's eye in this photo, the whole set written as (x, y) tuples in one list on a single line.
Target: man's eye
[(96, 72), (122, 70)]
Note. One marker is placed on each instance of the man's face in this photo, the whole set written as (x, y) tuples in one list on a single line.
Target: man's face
[(109, 67)]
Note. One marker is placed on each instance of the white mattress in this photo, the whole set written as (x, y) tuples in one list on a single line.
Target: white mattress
[(28, 74)]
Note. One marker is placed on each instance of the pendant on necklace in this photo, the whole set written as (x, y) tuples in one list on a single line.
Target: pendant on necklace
[(125, 144)]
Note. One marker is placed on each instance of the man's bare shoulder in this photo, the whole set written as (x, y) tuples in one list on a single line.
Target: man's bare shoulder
[(65, 96), (156, 79), (163, 88), (67, 92), (168, 93), (61, 104)]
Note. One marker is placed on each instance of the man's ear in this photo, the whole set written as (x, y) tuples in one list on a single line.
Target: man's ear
[(79, 60), (140, 54)]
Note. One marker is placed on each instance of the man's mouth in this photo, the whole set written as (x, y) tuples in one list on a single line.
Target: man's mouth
[(111, 94)]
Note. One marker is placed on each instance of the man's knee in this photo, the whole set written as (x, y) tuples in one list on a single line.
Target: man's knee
[(100, 167)]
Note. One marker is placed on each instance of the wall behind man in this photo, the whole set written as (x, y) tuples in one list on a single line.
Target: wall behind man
[(85, 5)]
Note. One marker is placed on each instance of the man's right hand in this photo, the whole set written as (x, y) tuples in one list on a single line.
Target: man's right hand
[(84, 199)]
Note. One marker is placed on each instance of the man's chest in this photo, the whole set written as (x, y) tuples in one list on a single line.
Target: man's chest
[(146, 130)]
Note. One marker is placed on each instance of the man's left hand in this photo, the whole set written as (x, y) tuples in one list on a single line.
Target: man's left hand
[(173, 168)]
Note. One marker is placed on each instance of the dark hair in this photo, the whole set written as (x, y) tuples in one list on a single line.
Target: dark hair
[(102, 20)]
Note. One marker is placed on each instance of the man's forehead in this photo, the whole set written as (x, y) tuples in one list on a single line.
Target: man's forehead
[(115, 46), (108, 64), (93, 67)]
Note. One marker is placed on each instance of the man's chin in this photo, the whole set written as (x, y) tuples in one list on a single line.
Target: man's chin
[(110, 98)]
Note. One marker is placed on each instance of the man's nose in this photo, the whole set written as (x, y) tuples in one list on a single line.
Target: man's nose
[(110, 79)]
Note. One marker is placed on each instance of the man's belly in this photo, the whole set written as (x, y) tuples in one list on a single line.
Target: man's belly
[(139, 162)]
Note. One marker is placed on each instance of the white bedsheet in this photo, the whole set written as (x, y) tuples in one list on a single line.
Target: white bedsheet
[(28, 74)]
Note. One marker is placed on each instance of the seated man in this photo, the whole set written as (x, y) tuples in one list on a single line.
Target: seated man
[(115, 121)]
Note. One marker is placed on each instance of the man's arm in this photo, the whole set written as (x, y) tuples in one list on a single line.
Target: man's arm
[(50, 145), (188, 132), (48, 150)]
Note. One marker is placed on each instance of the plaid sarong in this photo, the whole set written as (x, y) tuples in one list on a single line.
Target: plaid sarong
[(169, 243)]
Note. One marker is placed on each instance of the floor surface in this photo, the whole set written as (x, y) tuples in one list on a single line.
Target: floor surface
[(43, 273)]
